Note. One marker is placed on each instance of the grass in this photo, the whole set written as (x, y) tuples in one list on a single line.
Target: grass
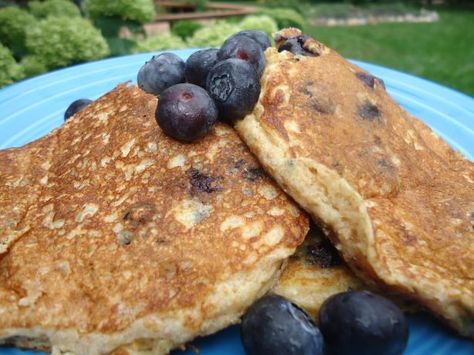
[(442, 51)]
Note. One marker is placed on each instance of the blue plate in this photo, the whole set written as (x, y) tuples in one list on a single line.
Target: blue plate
[(32, 108)]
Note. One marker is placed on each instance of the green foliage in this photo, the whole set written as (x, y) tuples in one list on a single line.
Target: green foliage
[(63, 41), (112, 26), (43, 9), (442, 52), (160, 42), (121, 46), (213, 35), (141, 11), (32, 65), (263, 23), (10, 71), (14, 23), (185, 29), (285, 17), (292, 4)]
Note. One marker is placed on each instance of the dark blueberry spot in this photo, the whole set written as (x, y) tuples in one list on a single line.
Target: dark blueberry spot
[(75, 107), (317, 100), (369, 111), (369, 80), (295, 46), (307, 88), (253, 174), (139, 213), (384, 164), (322, 105), (202, 183), (186, 112), (323, 253), (240, 163), (199, 64)]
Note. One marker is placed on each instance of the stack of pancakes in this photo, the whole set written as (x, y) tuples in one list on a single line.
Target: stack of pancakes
[(115, 238)]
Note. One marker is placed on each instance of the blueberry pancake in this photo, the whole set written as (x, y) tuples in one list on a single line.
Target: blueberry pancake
[(398, 200), (115, 238), (314, 273)]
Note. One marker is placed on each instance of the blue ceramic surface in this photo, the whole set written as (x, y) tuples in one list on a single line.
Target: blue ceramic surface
[(32, 108)]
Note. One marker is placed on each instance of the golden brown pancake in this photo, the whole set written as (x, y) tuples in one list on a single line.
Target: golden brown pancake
[(115, 237), (398, 200)]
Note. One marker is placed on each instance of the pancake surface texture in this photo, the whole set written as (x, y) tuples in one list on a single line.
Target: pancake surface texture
[(117, 239), (314, 273), (398, 200)]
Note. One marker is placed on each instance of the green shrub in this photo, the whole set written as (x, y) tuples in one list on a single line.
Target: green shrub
[(10, 71), (141, 11), (285, 17), (32, 65), (61, 41), (297, 5), (213, 35), (160, 42), (43, 9), (263, 23), (121, 46), (14, 23), (185, 29)]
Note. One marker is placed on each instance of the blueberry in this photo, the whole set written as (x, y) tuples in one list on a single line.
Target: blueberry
[(199, 64), (363, 323), (274, 325), (234, 86), (245, 48), (185, 112), (258, 36), (295, 46), (161, 72), (75, 107)]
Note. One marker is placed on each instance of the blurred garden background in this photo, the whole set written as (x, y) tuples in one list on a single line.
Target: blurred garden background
[(433, 39)]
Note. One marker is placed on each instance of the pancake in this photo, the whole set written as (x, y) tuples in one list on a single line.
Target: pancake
[(314, 273), (117, 239), (398, 200)]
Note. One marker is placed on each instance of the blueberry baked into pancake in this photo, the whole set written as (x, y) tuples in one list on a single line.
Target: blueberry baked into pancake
[(115, 238), (314, 273), (399, 202)]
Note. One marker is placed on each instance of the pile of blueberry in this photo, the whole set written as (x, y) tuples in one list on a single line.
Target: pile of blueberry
[(353, 322), (212, 84)]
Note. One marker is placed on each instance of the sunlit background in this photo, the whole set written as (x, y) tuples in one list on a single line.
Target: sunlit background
[(432, 39)]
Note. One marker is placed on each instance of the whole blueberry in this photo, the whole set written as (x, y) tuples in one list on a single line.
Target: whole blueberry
[(199, 64), (245, 48), (234, 86), (75, 107), (274, 325), (161, 72), (360, 322), (185, 112), (258, 36)]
